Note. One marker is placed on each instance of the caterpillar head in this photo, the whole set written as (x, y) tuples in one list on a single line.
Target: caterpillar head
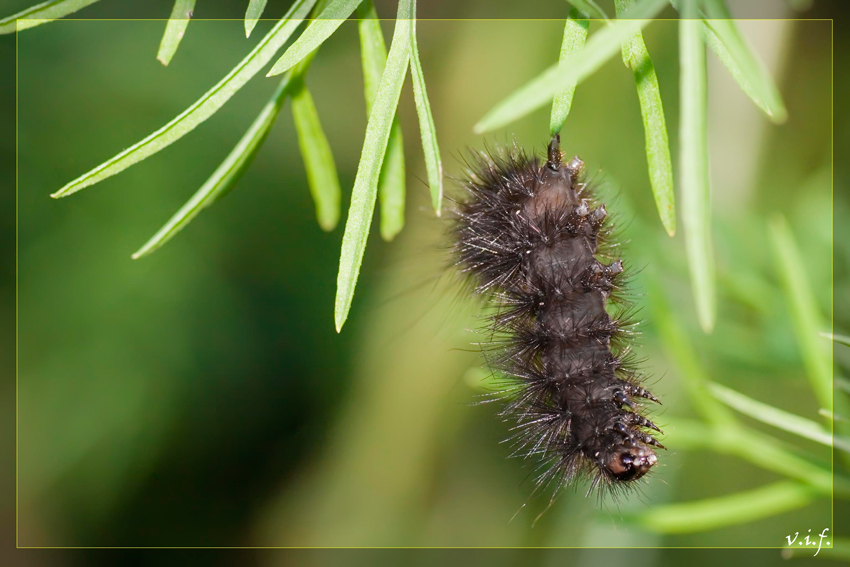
[(629, 461)]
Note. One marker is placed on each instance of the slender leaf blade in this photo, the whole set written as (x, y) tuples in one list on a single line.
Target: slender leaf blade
[(589, 8), (392, 182), (41, 14), (175, 29), (725, 39), (693, 140), (757, 448), (253, 14), (226, 175), (601, 46), (804, 310), (683, 354), (778, 418), (202, 109), (364, 193), (723, 511), (840, 339), (316, 33), (636, 57), (433, 163), (392, 185), (575, 36), (318, 158)]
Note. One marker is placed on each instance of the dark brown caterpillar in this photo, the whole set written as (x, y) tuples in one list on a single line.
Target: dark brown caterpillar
[(528, 234)]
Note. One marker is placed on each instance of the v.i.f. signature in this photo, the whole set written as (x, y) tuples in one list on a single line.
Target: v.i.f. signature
[(808, 541)]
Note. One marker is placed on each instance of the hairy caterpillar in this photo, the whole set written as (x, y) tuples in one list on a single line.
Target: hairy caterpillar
[(528, 234)]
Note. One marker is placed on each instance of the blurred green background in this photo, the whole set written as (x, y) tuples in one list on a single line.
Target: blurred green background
[(201, 397)]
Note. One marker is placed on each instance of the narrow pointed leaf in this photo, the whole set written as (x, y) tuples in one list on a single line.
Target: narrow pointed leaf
[(683, 354), (806, 315), (253, 14), (693, 140), (41, 14), (725, 39), (365, 189), (318, 158), (202, 109), (756, 448), (316, 33), (575, 35), (226, 175), (729, 510), (433, 163), (590, 9), (636, 57), (175, 29), (840, 339), (778, 418), (392, 186), (392, 183), (601, 46)]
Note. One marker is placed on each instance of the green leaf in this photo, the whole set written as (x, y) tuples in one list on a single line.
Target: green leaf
[(175, 29), (316, 33), (589, 8), (636, 57), (364, 193), (804, 310), (202, 109), (433, 163), (725, 39), (227, 174), (756, 448), (41, 14), (601, 46), (729, 510), (575, 35), (693, 140), (778, 418), (840, 339), (682, 353), (391, 185), (318, 159), (253, 14)]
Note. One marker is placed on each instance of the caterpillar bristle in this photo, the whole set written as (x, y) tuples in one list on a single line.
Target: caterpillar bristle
[(539, 248)]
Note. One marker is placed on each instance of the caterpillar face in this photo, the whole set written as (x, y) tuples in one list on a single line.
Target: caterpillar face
[(527, 233), (630, 463)]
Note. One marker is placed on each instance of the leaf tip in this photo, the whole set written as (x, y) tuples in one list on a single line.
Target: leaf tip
[(328, 225), (706, 321), (778, 116), (339, 321)]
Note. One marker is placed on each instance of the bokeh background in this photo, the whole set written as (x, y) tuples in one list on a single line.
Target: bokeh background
[(201, 397)]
